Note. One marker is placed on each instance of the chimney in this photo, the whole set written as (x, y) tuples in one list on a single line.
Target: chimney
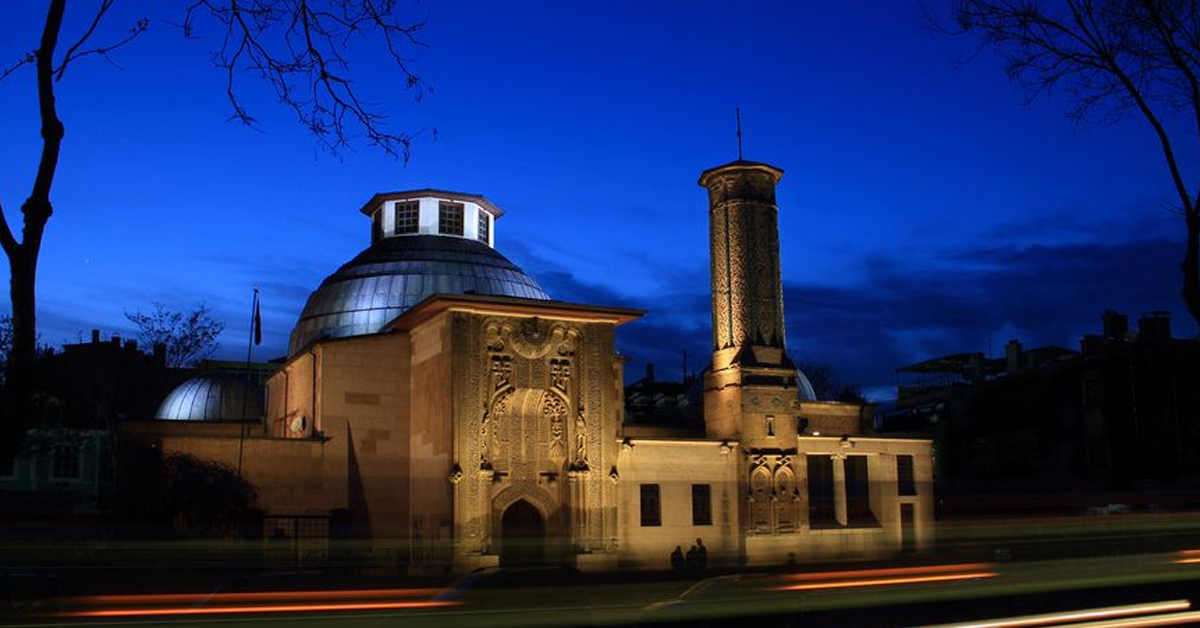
[(95, 336), (115, 340), (1155, 326), (1116, 325), (1012, 357), (650, 372), (131, 345)]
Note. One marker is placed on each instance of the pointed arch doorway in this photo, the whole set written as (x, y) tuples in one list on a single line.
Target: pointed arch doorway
[(523, 532)]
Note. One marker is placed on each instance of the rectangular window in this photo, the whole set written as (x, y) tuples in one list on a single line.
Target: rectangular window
[(65, 463), (484, 224), (701, 505), (858, 492), (906, 477), (820, 492), (408, 217), (450, 218), (377, 225), (651, 506)]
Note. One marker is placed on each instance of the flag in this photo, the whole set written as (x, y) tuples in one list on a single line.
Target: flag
[(257, 320)]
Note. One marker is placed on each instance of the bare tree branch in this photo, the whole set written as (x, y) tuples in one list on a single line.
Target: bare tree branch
[(1112, 56), (74, 53), (23, 61), (7, 241), (300, 49), (187, 337)]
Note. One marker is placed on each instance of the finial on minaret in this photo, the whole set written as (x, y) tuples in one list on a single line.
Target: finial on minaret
[(738, 112)]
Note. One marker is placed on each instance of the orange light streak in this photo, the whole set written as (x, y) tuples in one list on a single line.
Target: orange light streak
[(1190, 552), (839, 584), (1188, 561), (185, 598), (1048, 619), (278, 608), (895, 571), (1170, 619)]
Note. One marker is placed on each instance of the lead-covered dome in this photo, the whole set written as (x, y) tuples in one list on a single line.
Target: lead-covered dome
[(396, 273), (213, 397)]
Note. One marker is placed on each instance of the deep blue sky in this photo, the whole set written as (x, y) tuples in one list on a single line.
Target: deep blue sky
[(925, 209)]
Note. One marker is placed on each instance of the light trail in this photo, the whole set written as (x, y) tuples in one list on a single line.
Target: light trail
[(271, 608), (1170, 619), (894, 571), (185, 598), (1052, 619), (878, 582)]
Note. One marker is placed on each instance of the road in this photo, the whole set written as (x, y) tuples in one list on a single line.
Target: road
[(901, 597)]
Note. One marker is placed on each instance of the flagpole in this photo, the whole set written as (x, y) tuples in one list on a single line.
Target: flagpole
[(253, 335)]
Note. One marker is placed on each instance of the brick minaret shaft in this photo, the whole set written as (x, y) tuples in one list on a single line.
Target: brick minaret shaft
[(747, 297), (750, 390)]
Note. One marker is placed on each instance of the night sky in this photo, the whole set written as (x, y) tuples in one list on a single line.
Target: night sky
[(926, 207)]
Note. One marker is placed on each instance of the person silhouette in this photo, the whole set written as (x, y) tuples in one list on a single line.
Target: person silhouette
[(701, 555), (692, 559), (677, 559)]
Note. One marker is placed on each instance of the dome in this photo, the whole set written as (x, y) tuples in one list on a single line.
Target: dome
[(805, 387), (396, 273), (213, 397)]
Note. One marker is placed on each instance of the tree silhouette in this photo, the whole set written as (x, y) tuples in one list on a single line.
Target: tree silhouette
[(827, 385), (295, 46), (1112, 57), (187, 337)]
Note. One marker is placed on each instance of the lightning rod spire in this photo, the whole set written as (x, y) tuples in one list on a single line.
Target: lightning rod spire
[(738, 112)]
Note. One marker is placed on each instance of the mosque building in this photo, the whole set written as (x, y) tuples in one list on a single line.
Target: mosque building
[(437, 401)]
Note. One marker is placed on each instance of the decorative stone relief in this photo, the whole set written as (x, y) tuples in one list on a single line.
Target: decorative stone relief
[(560, 374), (531, 338), (555, 411), (581, 460)]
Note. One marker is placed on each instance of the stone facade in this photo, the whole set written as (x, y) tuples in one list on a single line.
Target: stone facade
[(475, 430)]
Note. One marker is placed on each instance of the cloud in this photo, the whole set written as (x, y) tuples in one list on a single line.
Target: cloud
[(1042, 294), (902, 311)]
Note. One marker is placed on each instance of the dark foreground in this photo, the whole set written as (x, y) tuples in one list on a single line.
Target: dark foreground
[(1103, 592), (1105, 572)]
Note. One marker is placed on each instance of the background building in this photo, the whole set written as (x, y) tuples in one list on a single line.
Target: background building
[(1051, 429)]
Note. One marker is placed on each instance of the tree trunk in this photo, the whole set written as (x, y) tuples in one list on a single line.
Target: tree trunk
[(22, 256), (18, 398)]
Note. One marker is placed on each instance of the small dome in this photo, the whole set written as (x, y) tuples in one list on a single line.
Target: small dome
[(213, 397), (396, 273), (805, 387)]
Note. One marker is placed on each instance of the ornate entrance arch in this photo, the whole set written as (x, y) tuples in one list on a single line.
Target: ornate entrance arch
[(523, 535)]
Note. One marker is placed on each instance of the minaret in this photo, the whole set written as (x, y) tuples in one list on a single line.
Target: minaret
[(747, 303), (743, 227)]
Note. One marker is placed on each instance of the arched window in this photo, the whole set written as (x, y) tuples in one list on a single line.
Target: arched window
[(760, 497), (785, 506)]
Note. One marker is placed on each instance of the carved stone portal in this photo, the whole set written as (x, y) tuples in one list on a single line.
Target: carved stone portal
[(524, 429)]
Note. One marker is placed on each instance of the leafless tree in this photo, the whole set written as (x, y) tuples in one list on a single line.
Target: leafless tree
[(187, 337), (827, 385), (296, 46), (1112, 57)]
